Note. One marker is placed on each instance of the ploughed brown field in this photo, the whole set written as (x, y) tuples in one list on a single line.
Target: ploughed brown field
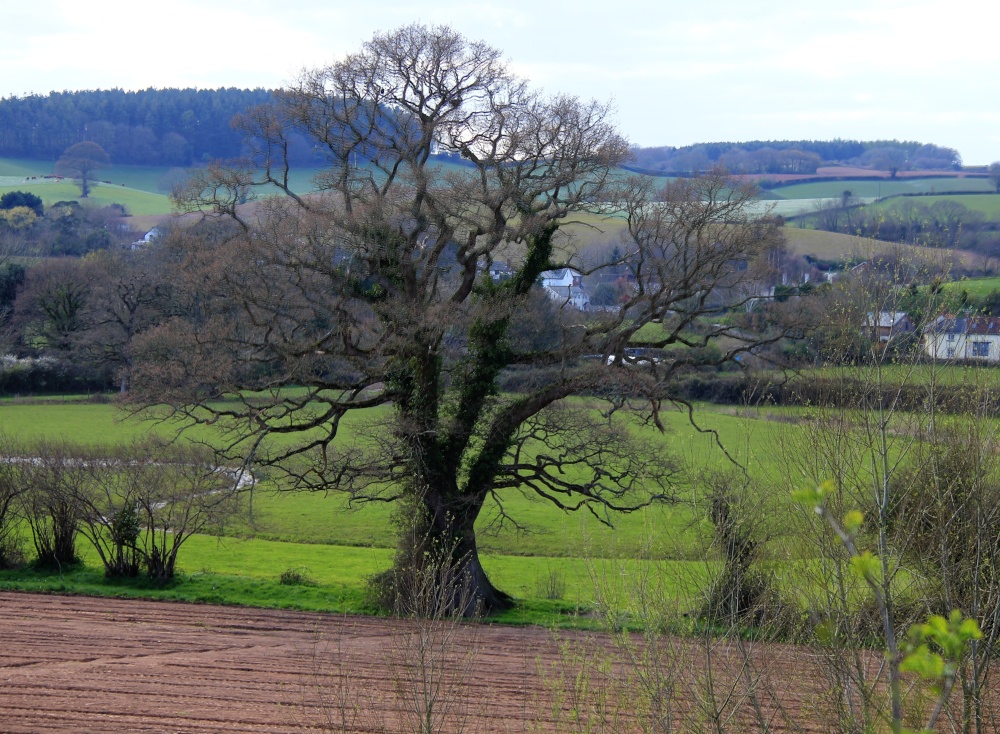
[(74, 664)]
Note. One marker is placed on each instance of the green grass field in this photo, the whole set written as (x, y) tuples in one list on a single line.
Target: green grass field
[(142, 178), (977, 287), (338, 547), (137, 202), (833, 246), (919, 374), (150, 179), (986, 204), (881, 188), (664, 532)]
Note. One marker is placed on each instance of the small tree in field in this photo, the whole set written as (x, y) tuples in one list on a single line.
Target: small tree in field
[(185, 490), (81, 161)]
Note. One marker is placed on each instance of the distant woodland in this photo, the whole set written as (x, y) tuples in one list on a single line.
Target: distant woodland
[(183, 127), (797, 156), (152, 127)]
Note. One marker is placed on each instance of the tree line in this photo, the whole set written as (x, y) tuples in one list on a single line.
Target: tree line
[(796, 156), (173, 127)]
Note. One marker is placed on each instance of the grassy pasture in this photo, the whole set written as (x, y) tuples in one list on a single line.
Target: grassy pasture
[(671, 531), (978, 287), (880, 188), (142, 178), (337, 548), (987, 204), (589, 230), (833, 246), (921, 374), (137, 202)]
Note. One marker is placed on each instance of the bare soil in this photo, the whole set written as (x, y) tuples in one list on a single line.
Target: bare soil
[(75, 664)]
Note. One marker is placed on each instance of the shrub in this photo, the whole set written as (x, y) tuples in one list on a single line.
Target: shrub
[(552, 585), (295, 577)]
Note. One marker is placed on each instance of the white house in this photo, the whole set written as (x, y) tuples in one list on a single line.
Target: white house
[(566, 286), (150, 236), (974, 338)]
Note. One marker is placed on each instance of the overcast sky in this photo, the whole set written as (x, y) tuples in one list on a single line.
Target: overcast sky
[(678, 72)]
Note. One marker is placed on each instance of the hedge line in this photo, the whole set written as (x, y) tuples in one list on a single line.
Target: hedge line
[(47, 375)]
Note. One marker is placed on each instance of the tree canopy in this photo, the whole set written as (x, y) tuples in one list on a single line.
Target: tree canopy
[(797, 156), (370, 303), (12, 199), (172, 127), (81, 161)]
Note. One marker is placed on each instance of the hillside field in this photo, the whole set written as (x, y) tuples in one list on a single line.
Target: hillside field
[(137, 202), (986, 204), (880, 188), (834, 246), (977, 287)]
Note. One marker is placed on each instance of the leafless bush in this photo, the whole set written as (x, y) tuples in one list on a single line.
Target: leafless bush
[(430, 658), (640, 612), (551, 585), (433, 652), (51, 474), (946, 517), (583, 692), (344, 706), (136, 503), (186, 491), (11, 488)]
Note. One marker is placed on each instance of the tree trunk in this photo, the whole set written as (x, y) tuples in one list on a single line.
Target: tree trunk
[(476, 593), (438, 572)]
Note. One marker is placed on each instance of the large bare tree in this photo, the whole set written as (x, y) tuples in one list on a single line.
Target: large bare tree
[(371, 297)]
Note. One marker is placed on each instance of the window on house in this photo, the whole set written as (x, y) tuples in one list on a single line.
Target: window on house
[(980, 349), (951, 337), (951, 352)]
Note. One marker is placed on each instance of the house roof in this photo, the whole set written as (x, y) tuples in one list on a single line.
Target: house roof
[(558, 274), (969, 325), (886, 319)]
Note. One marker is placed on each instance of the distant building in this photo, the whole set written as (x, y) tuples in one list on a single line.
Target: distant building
[(500, 272), (566, 286), (973, 338), (886, 325), (147, 238)]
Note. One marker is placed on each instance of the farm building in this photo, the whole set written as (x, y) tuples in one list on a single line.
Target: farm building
[(974, 338)]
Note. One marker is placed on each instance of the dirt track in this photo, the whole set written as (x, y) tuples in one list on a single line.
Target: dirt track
[(97, 665)]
